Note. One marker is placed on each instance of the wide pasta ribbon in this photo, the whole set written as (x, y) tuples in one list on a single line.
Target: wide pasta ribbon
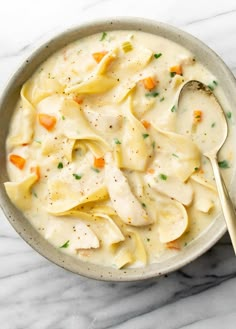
[(135, 148), (25, 117), (20, 192)]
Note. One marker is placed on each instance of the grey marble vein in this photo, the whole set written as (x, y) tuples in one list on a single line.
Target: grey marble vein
[(209, 18)]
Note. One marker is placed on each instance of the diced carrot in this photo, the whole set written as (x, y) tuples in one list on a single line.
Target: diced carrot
[(99, 56), (176, 69), (25, 144), (47, 121), (78, 100), (149, 83), (198, 170), (99, 162), (173, 245), (35, 170), (17, 160), (146, 124), (197, 116), (151, 171)]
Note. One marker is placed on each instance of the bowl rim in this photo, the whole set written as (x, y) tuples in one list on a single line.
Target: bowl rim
[(100, 25)]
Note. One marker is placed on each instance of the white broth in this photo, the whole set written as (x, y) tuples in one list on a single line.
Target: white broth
[(101, 161)]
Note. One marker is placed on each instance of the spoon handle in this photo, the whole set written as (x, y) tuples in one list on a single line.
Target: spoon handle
[(226, 202)]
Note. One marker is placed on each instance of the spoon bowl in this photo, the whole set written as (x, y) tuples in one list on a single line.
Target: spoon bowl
[(197, 103), (195, 95)]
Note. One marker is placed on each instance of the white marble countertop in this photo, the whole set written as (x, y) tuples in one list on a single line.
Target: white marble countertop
[(35, 294)]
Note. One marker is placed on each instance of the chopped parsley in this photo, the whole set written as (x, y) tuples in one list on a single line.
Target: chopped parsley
[(145, 136), (144, 205), (65, 245), (163, 177), (224, 164), (175, 155), (157, 55), (95, 169), (148, 239), (63, 118), (229, 115), (172, 74), (162, 99), (116, 140), (196, 168), (77, 176), (173, 109), (212, 85), (153, 145), (60, 165), (213, 125), (103, 37), (152, 94), (35, 194)]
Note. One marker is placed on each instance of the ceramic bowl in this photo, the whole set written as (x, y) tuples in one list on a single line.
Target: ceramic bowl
[(7, 103)]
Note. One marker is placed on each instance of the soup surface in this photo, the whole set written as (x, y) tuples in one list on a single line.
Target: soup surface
[(102, 161)]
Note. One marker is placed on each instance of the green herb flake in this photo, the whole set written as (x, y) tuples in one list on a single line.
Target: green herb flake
[(196, 168), (60, 165), (153, 145), (157, 55), (172, 74), (224, 164), (144, 205), (103, 37), (213, 125), (35, 194), (37, 141), (95, 169), (162, 99), (78, 177), (212, 85), (185, 244), (63, 118), (175, 155), (229, 115), (163, 177), (116, 140), (152, 94), (148, 239), (65, 245), (173, 109), (145, 136)]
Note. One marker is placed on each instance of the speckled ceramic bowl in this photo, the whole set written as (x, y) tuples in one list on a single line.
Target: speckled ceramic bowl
[(7, 104)]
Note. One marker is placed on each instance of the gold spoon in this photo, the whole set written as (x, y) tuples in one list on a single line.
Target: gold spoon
[(195, 95)]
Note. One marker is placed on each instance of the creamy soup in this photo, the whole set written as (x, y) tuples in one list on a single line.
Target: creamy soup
[(102, 161)]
